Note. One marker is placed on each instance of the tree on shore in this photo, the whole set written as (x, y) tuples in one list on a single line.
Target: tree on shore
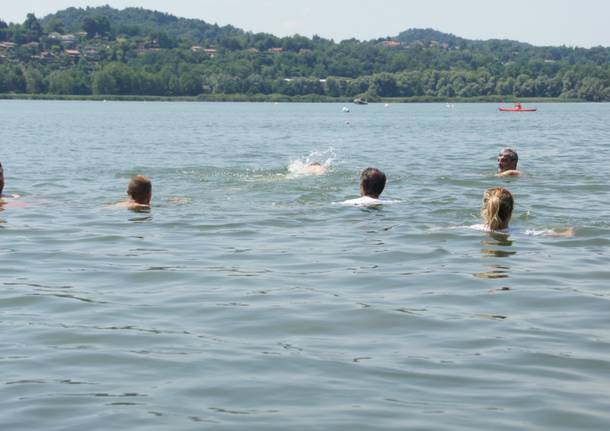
[(32, 27), (96, 26), (3, 30)]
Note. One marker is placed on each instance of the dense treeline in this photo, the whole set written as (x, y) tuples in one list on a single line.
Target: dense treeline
[(105, 51)]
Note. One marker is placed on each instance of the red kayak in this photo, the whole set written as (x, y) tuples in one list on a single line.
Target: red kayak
[(517, 108)]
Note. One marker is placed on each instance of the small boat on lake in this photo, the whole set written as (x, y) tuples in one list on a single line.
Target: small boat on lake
[(360, 101), (517, 108)]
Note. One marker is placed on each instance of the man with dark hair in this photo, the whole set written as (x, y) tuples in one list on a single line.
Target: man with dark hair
[(139, 191), (372, 183), (507, 163)]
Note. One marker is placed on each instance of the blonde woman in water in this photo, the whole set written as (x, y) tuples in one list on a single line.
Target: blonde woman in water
[(497, 209)]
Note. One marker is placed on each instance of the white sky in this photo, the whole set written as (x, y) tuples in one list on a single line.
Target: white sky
[(540, 22)]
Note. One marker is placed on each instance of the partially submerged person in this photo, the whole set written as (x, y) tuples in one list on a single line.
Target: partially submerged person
[(314, 168), (298, 168), (1, 179), (139, 191), (497, 210), (507, 163), (2, 185), (372, 183)]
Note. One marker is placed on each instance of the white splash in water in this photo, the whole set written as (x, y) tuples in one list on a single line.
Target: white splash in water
[(316, 163)]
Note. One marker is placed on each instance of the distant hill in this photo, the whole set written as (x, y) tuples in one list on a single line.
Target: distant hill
[(135, 51), (138, 21), (428, 35)]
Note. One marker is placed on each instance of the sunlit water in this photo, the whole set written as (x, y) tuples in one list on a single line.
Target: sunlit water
[(249, 299)]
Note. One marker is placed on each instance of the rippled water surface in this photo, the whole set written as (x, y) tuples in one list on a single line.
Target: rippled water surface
[(247, 298)]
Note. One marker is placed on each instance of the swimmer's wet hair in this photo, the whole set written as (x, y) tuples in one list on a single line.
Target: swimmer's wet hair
[(372, 181), (497, 208), (140, 189), (512, 154)]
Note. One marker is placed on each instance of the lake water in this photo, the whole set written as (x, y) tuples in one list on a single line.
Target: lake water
[(247, 298)]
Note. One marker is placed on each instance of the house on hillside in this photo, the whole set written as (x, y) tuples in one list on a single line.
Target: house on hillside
[(68, 40), (92, 54), (44, 56), (211, 52), (253, 50), (73, 53), (2, 59), (7, 45), (391, 43), (276, 50)]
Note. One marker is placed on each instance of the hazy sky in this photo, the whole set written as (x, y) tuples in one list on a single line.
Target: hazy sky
[(540, 22)]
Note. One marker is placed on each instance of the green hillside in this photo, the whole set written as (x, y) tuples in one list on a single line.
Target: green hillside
[(105, 51)]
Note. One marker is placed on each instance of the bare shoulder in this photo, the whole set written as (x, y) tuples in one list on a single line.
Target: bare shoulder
[(133, 206), (315, 169), (510, 173), (569, 232)]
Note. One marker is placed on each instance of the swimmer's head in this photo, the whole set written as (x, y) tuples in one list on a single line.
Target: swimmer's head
[(507, 160), (372, 182), (140, 189), (497, 208), (1, 178)]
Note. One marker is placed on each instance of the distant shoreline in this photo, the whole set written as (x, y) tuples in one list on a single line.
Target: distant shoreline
[(272, 98)]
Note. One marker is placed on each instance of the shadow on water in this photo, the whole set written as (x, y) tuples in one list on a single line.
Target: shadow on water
[(495, 247), (140, 215), (494, 272)]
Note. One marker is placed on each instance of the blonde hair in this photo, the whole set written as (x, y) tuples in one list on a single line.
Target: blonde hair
[(497, 208), (140, 189)]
